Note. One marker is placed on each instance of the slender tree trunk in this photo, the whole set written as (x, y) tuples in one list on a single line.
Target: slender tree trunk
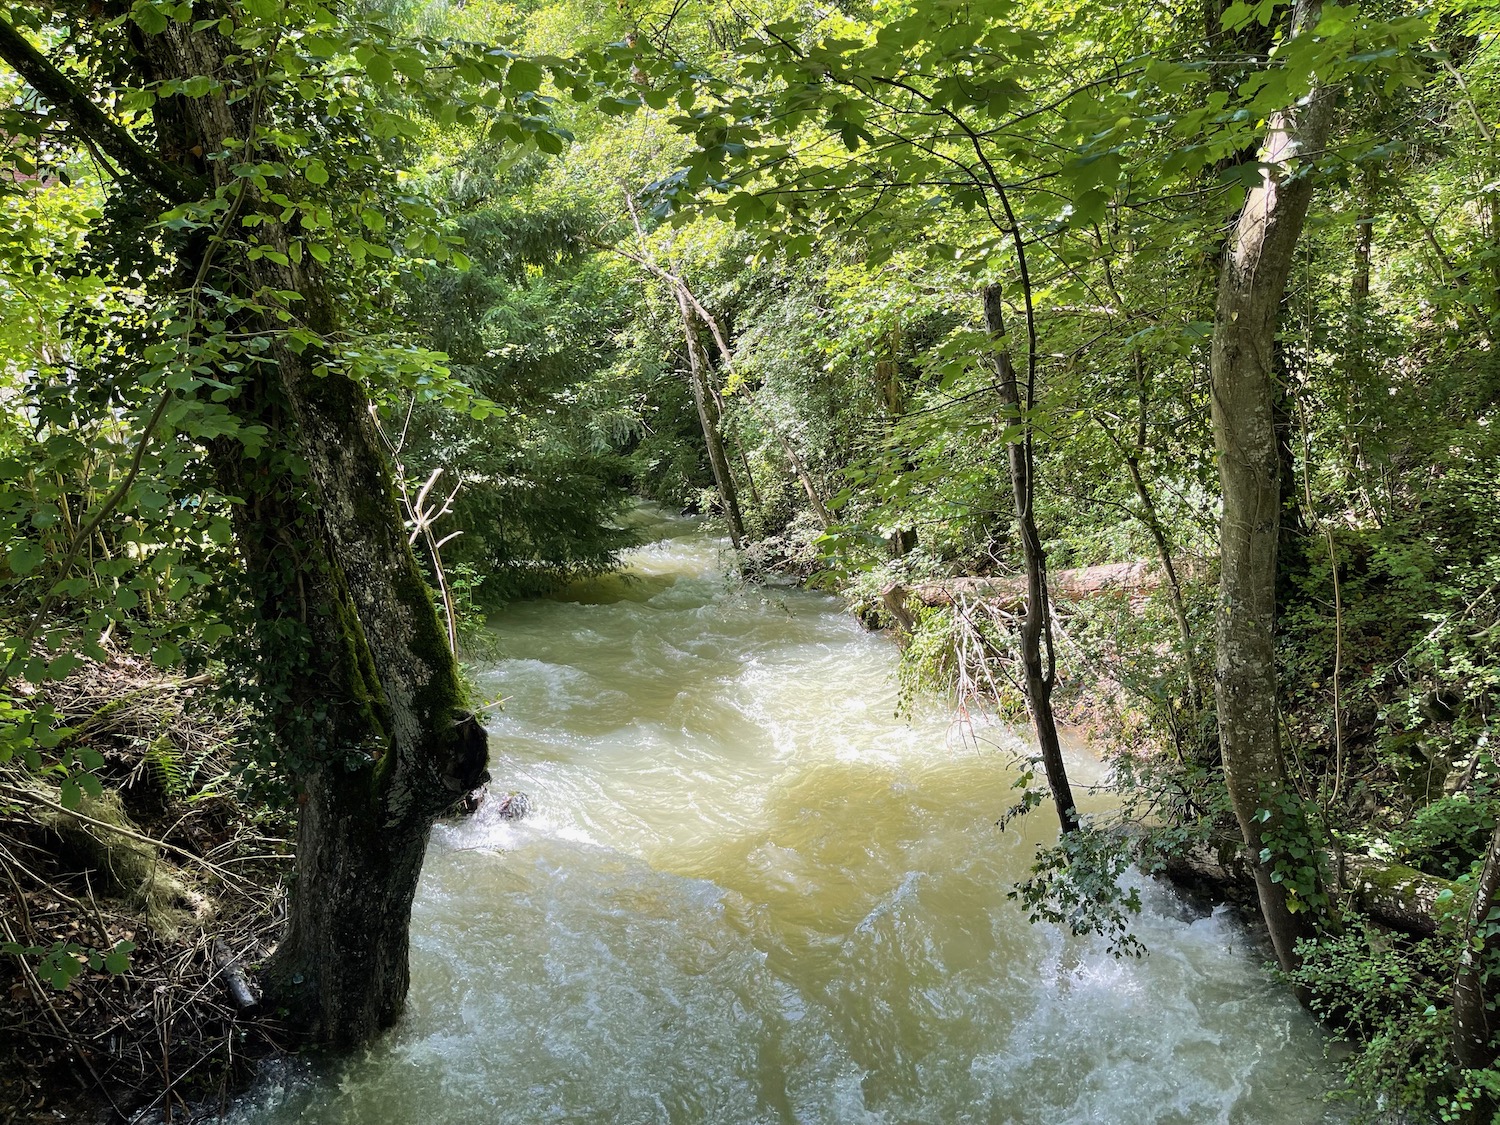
[(1251, 283), (809, 486), (718, 462), (1131, 455), (1036, 624), (1474, 1025), (1364, 244), (726, 357), (739, 448), (903, 540), (359, 682)]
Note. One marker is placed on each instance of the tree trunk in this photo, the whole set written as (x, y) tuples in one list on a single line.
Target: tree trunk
[(726, 358), (1036, 623), (739, 448), (357, 678), (1364, 245), (1251, 283), (718, 462), (1391, 894), (903, 540), (1474, 1026)]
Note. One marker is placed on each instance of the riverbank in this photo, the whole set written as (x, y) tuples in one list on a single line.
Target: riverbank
[(175, 870)]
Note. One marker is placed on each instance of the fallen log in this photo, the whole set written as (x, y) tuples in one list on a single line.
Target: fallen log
[(1075, 585), (1392, 894)]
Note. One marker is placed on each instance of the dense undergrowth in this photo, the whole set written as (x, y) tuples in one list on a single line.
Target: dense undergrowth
[(134, 904)]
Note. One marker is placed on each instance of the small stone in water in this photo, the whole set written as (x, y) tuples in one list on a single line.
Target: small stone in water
[(514, 806)]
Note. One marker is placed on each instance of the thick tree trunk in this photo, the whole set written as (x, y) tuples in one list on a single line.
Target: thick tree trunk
[(359, 681), (1251, 283), (718, 462), (1036, 622)]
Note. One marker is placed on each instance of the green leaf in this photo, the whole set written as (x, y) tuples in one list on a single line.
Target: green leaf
[(166, 655), (380, 70), (147, 18), (25, 557), (117, 961), (316, 172), (524, 75)]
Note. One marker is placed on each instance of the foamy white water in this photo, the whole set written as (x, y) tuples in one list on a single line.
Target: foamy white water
[(749, 893)]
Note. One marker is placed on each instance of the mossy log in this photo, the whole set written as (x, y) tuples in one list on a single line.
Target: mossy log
[(1392, 894)]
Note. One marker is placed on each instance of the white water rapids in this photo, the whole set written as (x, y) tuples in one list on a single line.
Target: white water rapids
[(748, 893)]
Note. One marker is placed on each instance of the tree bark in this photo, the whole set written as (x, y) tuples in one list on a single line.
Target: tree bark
[(1252, 280), (718, 462), (358, 682), (1474, 1025), (1036, 622)]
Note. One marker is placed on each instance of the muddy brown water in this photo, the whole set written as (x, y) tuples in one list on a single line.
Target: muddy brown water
[(749, 893)]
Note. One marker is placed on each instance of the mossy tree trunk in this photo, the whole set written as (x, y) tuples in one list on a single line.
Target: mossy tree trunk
[(367, 702), (358, 678), (1252, 280)]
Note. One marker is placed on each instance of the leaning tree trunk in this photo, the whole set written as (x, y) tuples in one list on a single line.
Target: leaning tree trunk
[(718, 462), (1251, 283), (1474, 1024), (358, 680), (1036, 622)]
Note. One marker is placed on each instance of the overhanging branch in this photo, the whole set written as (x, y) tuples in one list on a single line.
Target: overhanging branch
[(92, 122)]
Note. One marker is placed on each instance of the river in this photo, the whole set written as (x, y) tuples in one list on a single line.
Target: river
[(749, 893)]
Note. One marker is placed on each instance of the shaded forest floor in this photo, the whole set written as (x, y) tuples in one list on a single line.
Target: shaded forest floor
[(172, 859)]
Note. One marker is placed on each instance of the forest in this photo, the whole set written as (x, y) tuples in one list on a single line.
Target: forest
[(1123, 375)]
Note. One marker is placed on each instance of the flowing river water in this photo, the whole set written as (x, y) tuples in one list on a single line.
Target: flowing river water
[(749, 893)]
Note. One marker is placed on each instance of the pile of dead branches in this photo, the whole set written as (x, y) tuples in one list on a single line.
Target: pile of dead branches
[(171, 861)]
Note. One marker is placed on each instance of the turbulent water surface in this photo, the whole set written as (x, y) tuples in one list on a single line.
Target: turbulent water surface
[(749, 893)]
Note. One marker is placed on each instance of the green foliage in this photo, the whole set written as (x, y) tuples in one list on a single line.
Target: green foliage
[(835, 188), (1389, 996), (1294, 839), (60, 963), (1447, 837), (1077, 883)]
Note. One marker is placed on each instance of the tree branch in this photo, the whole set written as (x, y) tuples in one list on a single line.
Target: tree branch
[(92, 122)]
